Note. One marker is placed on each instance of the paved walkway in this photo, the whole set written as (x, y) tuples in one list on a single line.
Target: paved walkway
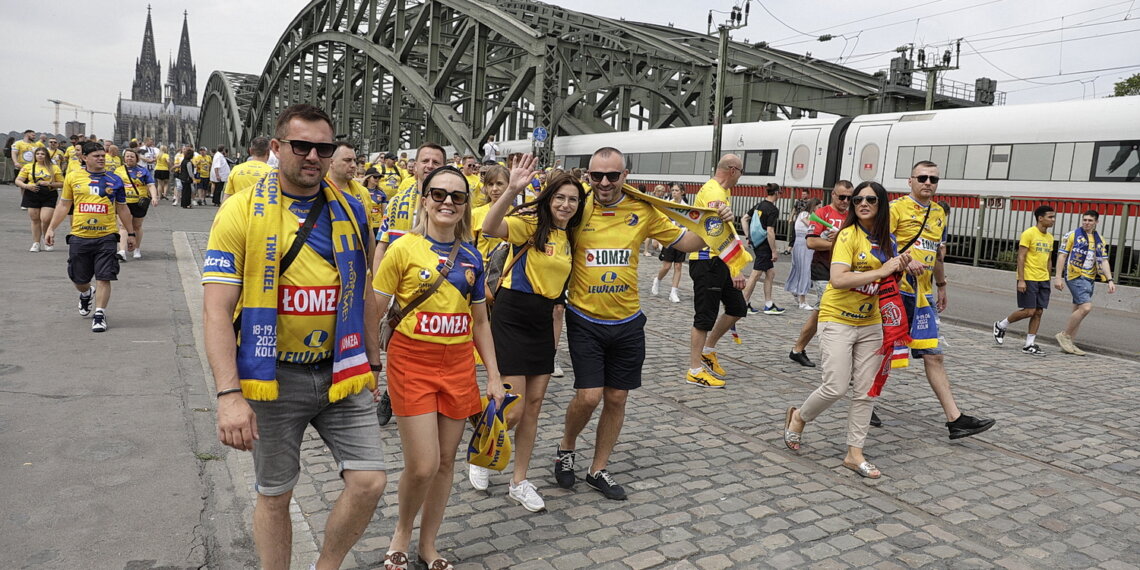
[(121, 469), (1054, 484)]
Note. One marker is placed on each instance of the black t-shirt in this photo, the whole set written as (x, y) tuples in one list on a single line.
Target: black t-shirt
[(769, 213)]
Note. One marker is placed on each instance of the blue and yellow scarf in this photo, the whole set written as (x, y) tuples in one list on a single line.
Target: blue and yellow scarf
[(269, 224)]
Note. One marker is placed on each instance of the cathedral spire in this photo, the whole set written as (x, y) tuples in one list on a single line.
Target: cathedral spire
[(183, 75), (148, 74)]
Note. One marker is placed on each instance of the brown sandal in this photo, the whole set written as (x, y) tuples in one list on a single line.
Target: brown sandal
[(395, 560), (437, 564)]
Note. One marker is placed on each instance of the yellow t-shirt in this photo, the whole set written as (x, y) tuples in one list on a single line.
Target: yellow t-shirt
[(307, 293), (94, 197), (478, 198), (176, 164), (41, 175), (74, 166), (485, 244), (906, 219), (856, 307), (711, 192), (410, 266), (362, 195), (163, 162), (202, 164), (401, 213), (112, 163), (56, 156), (1040, 246), (245, 176), (543, 268), (25, 152), (603, 283), (135, 182)]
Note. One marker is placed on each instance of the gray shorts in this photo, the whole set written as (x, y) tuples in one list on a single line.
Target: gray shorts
[(819, 287), (348, 427)]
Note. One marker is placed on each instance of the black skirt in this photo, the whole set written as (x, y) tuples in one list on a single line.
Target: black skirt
[(523, 328)]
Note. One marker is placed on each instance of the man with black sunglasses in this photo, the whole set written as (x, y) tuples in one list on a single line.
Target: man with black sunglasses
[(605, 328), (918, 224), (820, 239)]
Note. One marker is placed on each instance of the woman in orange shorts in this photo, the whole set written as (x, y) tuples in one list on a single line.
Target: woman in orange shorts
[(431, 363)]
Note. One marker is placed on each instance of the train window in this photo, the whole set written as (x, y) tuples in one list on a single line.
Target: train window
[(939, 155), (977, 162), (920, 153), (633, 163), (1031, 162), (1082, 162), (681, 162), (1062, 162), (1117, 161), (701, 164), (904, 162), (760, 162), (649, 163), (801, 160), (999, 162), (955, 163), (869, 162)]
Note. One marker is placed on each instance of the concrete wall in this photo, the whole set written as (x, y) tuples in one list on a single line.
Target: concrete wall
[(1125, 299)]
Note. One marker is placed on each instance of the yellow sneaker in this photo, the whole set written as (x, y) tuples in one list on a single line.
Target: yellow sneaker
[(712, 364), (704, 380)]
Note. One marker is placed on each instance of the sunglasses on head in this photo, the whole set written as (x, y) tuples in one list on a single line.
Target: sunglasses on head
[(303, 148), (872, 200), (596, 177), (922, 178), (440, 195)]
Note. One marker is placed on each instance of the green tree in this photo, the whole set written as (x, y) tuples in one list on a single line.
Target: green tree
[(1130, 86)]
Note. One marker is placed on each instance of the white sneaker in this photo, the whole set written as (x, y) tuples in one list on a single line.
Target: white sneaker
[(673, 296), (137, 254), (48, 248), (656, 288), (480, 477), (525, 495), (35, 247), (121, 254)]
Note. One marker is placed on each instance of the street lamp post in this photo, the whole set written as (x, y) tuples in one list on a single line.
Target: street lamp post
[(737, 18)]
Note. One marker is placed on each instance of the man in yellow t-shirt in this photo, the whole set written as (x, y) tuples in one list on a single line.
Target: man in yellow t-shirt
[(714, 284), (99, 197), (23, 151), (918, 224), (1033, 252), (246, 174), (604, 323), (342, 174), (402, 204), (474, 182), (1082, 260), (202, 162)]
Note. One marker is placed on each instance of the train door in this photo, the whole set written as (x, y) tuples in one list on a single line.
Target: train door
[(868, 156), (803, 152)]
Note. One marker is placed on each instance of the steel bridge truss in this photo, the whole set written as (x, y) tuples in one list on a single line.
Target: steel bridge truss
[(396, 73)]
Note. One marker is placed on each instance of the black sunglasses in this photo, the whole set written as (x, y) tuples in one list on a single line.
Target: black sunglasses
[(303, 148), (843, 198), (922, 178), (872, 200), (439, 195), (596, 177)]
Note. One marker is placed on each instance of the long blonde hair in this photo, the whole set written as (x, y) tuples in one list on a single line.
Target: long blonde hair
[(463, 226)]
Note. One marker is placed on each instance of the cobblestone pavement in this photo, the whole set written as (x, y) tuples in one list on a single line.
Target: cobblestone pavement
[(1054, 484)]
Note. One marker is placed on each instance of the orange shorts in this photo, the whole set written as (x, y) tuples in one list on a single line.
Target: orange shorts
[(426, 377)]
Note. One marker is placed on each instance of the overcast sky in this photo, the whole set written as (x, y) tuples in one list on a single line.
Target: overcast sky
[(1038, 50)]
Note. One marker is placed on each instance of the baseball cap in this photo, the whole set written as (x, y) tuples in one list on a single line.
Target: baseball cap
[(372, 172)]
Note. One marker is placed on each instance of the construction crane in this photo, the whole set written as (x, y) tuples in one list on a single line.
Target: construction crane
[(92, 113), (57, 103)]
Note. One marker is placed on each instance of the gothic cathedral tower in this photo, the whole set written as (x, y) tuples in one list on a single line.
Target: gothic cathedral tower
[(148, 75), (182, 79)]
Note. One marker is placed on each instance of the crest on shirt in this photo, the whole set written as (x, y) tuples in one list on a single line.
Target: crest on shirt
[(470, 275), (550, 249), (425, 274), (632, 219), (714, 226)]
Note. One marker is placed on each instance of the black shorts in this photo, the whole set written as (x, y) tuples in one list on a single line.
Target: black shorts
[(162, 175), (204, 185), (712, 285), (1036, 295), (608, 356), (92, 257), (522, 326), (39, 199), (670, 255), (138, 210), (762, 257)]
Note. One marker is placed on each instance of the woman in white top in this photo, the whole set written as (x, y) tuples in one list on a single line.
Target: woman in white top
[(799, 278)]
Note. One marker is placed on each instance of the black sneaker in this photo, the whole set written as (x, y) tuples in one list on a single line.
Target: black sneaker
[(801, 358), (875, 421), (605, 484), (384, 409), (99, 322), (85, 302), (999, 334), (965, 426), (773, 310), (564, 469), (1034, 350)]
